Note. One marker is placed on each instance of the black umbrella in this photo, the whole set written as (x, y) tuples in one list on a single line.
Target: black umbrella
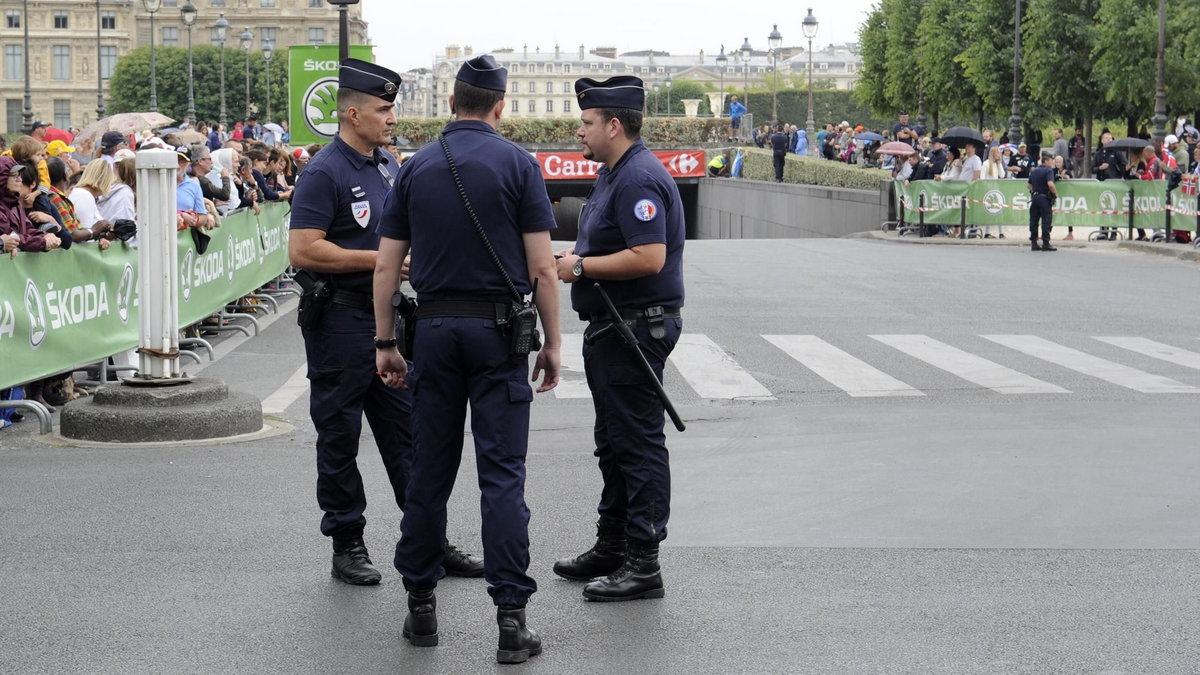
[(1131, 143), (870, 136), (957, 137)]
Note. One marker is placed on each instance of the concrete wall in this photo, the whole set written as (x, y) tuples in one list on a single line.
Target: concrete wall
[(748, 209)]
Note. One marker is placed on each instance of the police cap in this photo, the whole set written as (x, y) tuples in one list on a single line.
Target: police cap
[(483, 72), (369, 78), (622, 91)]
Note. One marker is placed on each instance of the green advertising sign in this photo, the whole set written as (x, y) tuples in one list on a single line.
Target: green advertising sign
[(56, 315), (312, 90)]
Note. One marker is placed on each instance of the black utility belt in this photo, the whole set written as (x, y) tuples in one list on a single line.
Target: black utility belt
[(464, 309), (650, 313), (351, 299), (1043, 194)]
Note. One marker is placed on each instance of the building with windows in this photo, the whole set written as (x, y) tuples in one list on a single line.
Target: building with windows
[(65, 51), (542, 83)]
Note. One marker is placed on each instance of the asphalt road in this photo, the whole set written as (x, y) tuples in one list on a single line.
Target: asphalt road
[(937, 519)]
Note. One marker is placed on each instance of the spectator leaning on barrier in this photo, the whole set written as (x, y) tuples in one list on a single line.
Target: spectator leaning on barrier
[(20, 181), (189, 205), (96, 181), (120, 202), (202, 165), (248, 196)]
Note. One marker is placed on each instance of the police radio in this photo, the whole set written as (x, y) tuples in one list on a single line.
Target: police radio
[(522, 323)]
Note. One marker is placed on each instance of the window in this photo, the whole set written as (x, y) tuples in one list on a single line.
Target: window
[(532, 106), (316, 4), (516, 87), (170, 3), (170, 36), (824, 66), (108, 61), (549, 87), (516, 68), (660, 69), (218, 3), (108, 21), (443, 86), (549, 106), (316, 36), (566, 105), (849, 67), (60, 21), (516, 107), (566, 67), (14, 63), (594, 66), (645, 69), (62, 113), (533, 67), (61, 69), (12, 18), (267, 35), (549, 67), (266, 3), (13, 110), (608, 66), (532, 89)]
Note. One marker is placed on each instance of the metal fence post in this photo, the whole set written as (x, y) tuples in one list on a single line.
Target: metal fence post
[(158, 282)]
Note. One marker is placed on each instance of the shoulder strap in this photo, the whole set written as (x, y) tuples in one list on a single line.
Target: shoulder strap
[(487, 243)]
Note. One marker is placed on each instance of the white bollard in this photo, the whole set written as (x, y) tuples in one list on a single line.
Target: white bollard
[(158, 282)]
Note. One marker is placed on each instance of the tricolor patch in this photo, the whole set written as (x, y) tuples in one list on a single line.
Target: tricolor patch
[(645, 210), (362, 212)]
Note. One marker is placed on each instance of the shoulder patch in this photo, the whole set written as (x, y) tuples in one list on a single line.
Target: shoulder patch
[(645, 210)]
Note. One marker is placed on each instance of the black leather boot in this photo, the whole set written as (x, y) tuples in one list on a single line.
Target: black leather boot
[(1035, 246), (460, 564), (352, 564), (420, 626), (638, 577), (600, 560), (1047, 247), (517, 643)]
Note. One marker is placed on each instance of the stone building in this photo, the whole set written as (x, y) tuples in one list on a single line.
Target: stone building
[(74, 46)]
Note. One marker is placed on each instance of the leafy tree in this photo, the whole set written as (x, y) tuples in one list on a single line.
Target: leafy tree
[(987, 56), (680, 89), (939, 57), (871, 88), (902, 81)]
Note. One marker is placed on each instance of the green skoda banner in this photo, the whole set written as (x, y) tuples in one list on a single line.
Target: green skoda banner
[(312, 90), (1081, 203), (63, 309)]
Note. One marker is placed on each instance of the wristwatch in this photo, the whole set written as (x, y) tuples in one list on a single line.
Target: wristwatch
[(385, 344), (577, 268)]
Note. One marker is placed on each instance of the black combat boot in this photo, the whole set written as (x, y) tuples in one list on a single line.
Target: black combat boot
[(1047, 247), (352, 564), (460, 564), (638, 577), (1034, 244), (420, 626), (517, 643), (600, 560)]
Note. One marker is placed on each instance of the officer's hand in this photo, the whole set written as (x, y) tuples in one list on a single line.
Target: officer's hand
[(392, 368), (404, 267), (564, 252), (564, 265), (549, 360)]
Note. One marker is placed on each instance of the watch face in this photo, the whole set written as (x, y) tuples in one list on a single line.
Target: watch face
[(577, 268)]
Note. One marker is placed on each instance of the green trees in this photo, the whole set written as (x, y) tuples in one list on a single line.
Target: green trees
[(129, 88)]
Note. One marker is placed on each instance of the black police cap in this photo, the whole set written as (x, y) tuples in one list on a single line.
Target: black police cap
[(369, 78), (622, 91), (483, 72)]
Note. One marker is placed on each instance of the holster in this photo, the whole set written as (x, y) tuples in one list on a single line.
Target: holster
[(315, 299)]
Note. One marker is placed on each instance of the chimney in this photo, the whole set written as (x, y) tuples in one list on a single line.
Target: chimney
[(468, 50), (581, 54), (452, 51), (557, 53), (525, 51), (701, 57)]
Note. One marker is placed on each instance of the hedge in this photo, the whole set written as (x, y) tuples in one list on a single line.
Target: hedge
[(561, 130), (758, 165)]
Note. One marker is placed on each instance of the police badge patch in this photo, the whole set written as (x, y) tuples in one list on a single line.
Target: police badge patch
[(645, 210), (362, 212)]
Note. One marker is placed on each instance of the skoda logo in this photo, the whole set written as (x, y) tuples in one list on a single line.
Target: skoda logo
[(37, 314), (262, 243), (185, 275), (320, 107), (1108, 201), (125, 293), (229, 274), (993, 201)]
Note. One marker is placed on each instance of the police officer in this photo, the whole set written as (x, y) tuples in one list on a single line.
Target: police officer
[(630, 241), (1041, 184), (779, 147), (465, 327), (335, 211)]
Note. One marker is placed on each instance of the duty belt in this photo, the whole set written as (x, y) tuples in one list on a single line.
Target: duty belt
[(351, 299), (464, 309), (654, 317)]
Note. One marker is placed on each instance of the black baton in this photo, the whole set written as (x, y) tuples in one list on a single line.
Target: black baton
[(630, 340)]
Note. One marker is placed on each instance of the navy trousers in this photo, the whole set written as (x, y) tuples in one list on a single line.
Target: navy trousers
[(463, 361), (1039, 212), (344, 386), (630, 443)]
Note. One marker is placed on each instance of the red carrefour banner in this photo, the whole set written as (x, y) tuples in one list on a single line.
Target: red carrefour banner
[(572, 165)]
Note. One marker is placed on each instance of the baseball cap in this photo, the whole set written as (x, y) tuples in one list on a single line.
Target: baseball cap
[(153, 142), (56, 148), (124, 153), (1046, 154), (300, 153), (184, 152), (37, 125), (1022, 145), (112, 139), (1171, 138)]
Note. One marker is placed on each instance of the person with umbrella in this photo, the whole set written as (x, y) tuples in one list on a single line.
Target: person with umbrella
[(1041, 185)]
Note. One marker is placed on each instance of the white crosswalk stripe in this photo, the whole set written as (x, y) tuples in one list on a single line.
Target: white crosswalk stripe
[(1155, 350), (854, 376), (295, 387), (712, 373), (574, 386), (1094, 366), (969, 367)]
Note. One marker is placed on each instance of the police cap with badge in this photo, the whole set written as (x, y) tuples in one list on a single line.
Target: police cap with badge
[(369, 78), (483, 72), (622, 91)]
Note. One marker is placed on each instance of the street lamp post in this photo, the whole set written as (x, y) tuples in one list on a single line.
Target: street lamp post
[(27, 112), (1160, 92), (656, 88), (153, 6), (99, 70), (774, 41), (1014, 122), (247, 41), (809, 26), (343, 27), (746, 50), (188, 12), (668, 94), (722, 62), (268, 51), (222, 28)]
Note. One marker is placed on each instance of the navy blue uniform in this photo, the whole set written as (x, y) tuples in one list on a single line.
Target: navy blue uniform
[(342, 192), (633, 203), (779, 148), (464, 358), (1039, 207)]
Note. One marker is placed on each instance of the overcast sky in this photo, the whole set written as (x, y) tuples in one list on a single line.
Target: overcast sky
[(408, 34)]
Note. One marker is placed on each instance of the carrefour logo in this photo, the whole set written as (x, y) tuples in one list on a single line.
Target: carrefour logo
[(320, 107)]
